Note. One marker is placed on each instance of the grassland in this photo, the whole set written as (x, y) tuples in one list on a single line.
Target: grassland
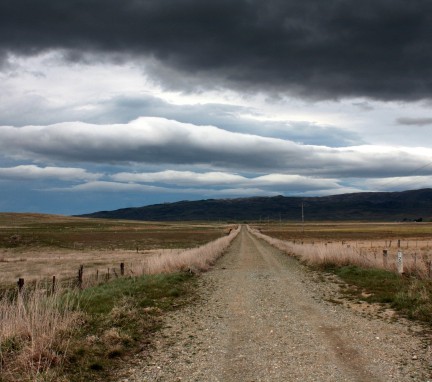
[(80, 334), (36, 246), (349, 231)]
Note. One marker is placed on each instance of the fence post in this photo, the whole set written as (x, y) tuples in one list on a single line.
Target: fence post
[(53, 287), (122, 269), (80, 276), (20, 284), (399, 243), (400, 265), (385, 255)]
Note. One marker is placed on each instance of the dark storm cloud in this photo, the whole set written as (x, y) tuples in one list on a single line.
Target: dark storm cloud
[(321, 49)]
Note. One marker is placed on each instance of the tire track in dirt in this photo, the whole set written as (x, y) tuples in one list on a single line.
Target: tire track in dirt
[(261, 318)]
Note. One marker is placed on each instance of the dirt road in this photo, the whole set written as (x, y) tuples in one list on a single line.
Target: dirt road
[(262, 317)]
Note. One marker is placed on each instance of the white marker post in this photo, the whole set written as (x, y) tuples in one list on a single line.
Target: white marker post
[(400, 266)]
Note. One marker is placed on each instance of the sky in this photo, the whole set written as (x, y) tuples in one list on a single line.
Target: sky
[(108, 104)]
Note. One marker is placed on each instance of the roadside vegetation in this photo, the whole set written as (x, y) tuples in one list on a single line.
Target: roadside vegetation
[(371, 276), (66, 332), (36, 246)]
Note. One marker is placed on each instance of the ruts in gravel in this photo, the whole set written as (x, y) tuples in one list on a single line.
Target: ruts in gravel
[(262, 316)]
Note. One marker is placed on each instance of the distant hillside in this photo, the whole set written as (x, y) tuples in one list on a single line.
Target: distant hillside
[(386, 206)]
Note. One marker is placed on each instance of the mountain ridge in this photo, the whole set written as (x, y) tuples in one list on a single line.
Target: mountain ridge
[(386, 206)]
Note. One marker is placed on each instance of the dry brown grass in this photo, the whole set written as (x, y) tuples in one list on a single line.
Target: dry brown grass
[(35, 325), (34, 332), (35, 265), (367, 253), (193, 260), (37, 247)]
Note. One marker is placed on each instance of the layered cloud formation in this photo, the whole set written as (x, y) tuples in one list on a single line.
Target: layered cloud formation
[(158, 141), (137, 102)]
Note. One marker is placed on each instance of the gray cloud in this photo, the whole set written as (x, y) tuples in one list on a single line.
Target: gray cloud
[(31, 109), (414, 121), (374, 48), (32, 172), (365, 106), (157, 141)]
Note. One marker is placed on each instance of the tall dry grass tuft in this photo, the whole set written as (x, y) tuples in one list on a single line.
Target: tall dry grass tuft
[(34, 331), (193, 260), (338, 254)]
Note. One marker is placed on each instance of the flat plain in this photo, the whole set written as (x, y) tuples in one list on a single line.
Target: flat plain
[(34, 246), (258, 314)]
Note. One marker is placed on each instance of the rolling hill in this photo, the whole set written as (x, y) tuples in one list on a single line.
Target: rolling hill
[(379, 206)]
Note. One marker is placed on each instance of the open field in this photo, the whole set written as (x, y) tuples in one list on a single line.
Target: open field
[(103, 324), (361, 244), (80, 329), (36, 246), (349, 231)]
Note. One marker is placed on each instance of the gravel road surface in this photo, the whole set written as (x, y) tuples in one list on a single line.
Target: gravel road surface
[(262, 316)]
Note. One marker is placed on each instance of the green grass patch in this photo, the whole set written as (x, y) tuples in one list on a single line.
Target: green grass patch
[(409, 296), (119, 318)]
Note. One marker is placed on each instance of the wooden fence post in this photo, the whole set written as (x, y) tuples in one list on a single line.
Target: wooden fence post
[(20, 284), (53, 287), (80, 276), (399, 243), (122, 269)]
